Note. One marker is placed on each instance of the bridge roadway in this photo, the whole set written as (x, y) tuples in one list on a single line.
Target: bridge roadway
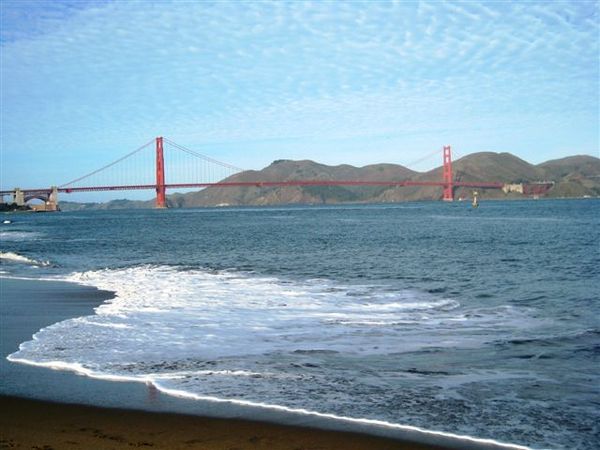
[(70, 190)]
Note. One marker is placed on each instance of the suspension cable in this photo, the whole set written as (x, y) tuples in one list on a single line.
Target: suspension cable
[(206, 158), (108, 165), (423, 158)]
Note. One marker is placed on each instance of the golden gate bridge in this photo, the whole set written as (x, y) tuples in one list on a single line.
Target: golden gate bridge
[(150, 167)]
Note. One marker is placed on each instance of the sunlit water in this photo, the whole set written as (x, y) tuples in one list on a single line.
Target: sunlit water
[(479, 322)]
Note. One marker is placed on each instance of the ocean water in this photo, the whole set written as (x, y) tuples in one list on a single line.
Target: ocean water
[(474, 322)]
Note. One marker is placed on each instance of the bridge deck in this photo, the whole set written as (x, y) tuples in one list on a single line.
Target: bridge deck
[(69, 190)]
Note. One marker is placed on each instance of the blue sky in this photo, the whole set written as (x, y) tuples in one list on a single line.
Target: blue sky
[(250, 82)]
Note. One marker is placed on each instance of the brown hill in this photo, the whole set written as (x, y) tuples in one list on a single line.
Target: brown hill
[(584, 165), (575, 176), (286, 170)]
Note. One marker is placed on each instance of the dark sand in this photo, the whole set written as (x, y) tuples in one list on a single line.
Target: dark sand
[(43, 425), (48, 409)]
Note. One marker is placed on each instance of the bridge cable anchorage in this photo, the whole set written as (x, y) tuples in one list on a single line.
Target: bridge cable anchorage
[(108, 165), (204, 157)]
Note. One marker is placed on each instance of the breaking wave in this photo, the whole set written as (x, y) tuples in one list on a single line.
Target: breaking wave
[(16, 258)]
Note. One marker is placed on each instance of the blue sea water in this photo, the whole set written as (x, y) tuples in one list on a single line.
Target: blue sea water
[(481, 322)]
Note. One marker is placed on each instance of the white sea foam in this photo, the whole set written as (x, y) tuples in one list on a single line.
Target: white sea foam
[(160, 311), (16, 258), (250, 314)]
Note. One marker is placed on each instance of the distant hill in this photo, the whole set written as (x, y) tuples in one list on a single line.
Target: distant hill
[(575, 176), (582, 165), (285, 170)]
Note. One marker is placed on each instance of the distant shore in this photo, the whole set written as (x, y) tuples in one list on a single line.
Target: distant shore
[(124, 204)]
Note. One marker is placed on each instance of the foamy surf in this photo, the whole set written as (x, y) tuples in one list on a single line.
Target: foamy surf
[(16, 258), (301, 347)]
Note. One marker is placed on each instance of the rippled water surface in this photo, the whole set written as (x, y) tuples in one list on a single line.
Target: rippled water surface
[(480, 322)]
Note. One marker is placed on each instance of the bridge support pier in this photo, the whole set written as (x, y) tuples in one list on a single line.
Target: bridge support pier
[(447, 175), (18, 197), (161, 197), (52, 202)]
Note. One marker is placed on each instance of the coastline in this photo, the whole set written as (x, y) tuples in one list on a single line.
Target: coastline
[(77, 405), (70, 208)]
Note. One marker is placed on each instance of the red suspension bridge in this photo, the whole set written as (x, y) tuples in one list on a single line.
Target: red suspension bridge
[(150, 167)]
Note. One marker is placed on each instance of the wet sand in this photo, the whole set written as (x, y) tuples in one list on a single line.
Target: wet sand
[(44, 425)]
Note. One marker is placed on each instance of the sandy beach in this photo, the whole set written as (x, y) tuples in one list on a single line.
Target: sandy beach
[(26, 423)]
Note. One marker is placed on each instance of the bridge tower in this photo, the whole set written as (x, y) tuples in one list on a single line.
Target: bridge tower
[(161, 198), (447, 175)]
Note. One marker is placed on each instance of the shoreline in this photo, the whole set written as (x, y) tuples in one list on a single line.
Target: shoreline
[(29, 305)]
